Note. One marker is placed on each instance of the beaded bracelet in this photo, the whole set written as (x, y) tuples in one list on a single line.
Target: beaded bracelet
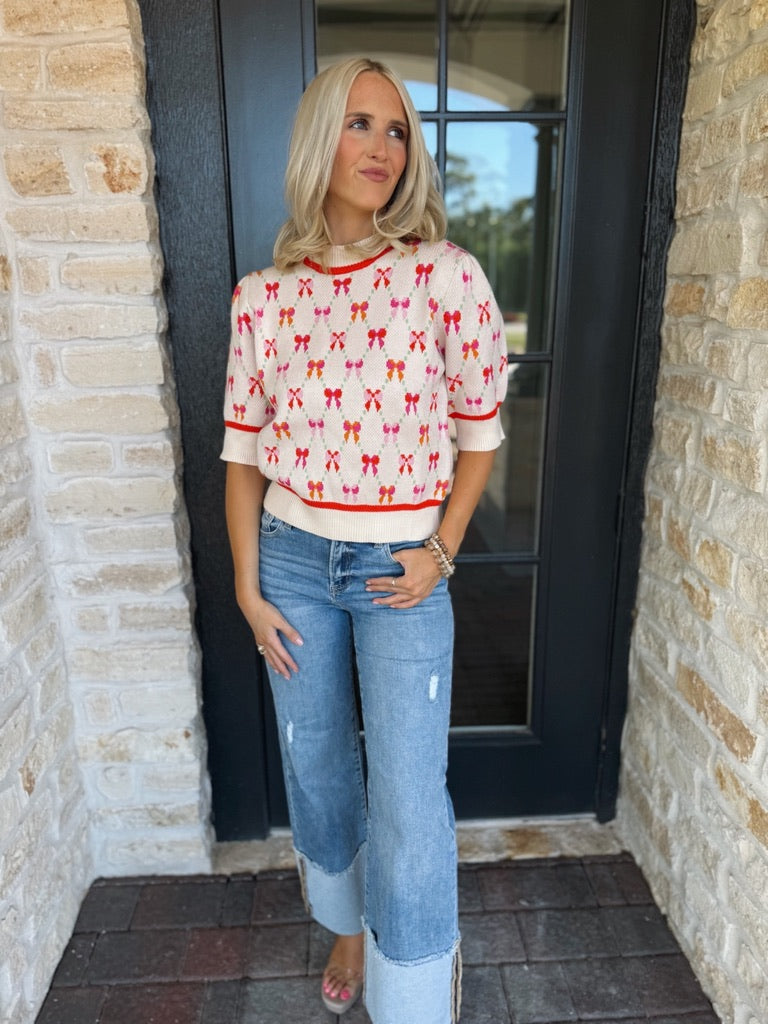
[(442, 555)]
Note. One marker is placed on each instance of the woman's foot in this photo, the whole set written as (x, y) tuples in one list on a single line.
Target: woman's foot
[(343, 975)]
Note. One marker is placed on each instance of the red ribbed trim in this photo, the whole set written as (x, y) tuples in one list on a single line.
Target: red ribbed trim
[(348, 269), (242, 426), (463, 416)]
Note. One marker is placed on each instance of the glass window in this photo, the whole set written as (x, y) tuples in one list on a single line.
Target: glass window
[(506, 54), (401, 33)]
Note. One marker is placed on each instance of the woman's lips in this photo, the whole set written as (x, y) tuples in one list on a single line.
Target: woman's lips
[(375, 174)]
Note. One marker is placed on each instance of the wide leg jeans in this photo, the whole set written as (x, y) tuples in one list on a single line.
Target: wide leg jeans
[(378, 857)]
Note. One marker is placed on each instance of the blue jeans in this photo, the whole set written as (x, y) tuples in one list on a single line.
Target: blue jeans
[(380, 858)]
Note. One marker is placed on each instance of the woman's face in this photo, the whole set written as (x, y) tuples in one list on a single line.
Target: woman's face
[(370, 158)]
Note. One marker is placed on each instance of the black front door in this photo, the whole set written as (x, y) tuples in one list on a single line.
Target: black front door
[(541, 118)]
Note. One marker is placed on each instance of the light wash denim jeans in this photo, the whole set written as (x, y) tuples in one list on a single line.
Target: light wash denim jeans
[(382, 861)]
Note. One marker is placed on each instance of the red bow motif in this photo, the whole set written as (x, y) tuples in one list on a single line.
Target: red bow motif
[(452, 320), (411, 401), (231, 383), (454, 382), (370, 462), (272, 289), (339, 283), (417, 338), (301, 341), (470, 348), (332, 396), (236, 293), (423, 270), (359, 307), (433, 402), (286, 314), (238, 352), (338, 339), (382, 277), (256, 383), (484, 310), (239, 412), (272, 455), (376, 335), (502, 365), (434, 458), (302, 454), (406, 462), (270, 347), (372, 397), (332, 460), (395, 368), (305, 285), (244, 323), (386, 494), (295, 395), (432, 308), (487, 374)]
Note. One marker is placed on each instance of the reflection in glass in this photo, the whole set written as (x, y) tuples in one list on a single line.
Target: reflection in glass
[(492, 656), (501, 193), (507, 516), (507, 54), (402, 33)]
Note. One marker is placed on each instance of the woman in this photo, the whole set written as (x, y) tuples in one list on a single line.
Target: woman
[(349, 357)]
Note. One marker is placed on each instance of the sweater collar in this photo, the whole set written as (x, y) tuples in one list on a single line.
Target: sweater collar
[(343, 259)]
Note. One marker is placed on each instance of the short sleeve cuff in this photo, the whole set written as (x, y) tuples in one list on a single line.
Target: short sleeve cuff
[(479, 435)]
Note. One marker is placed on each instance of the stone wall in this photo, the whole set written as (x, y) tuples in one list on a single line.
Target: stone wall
[(694, 788), (102, 752)]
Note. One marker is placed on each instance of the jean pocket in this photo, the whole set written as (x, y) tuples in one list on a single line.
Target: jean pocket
[(390, 550), (270, 525)]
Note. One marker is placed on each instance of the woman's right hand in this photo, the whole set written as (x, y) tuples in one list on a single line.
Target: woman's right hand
[(267, 624)]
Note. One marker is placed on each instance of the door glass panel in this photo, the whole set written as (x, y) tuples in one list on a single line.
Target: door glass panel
[(402, 33), (507, 517), (501, 184), (491, 674), (506, 54), (501, 175)]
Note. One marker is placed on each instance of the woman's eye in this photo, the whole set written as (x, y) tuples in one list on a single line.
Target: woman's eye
[(397, 133), (359, 122)]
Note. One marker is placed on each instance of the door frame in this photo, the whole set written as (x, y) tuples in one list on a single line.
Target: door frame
[(202, 252)]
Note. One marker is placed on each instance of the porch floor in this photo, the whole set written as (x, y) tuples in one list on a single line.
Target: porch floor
[(544, 941)]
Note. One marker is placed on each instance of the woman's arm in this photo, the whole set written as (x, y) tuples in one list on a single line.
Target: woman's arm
[(244, 497), (421, 571)]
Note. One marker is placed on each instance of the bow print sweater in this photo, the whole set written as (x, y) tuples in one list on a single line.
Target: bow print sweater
[(342, 383)]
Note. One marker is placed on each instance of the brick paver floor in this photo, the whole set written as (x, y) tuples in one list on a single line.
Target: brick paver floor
[(544, 942)]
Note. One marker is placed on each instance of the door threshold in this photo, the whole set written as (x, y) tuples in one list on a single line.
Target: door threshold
[(481, 841)]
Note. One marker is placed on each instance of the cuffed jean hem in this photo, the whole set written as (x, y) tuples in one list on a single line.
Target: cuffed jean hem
[(334, 900), (426, 991)]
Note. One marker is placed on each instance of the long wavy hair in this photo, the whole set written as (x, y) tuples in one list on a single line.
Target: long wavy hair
[(416, 209)]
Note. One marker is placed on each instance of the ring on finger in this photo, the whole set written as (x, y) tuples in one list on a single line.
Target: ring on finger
[(261, 648)]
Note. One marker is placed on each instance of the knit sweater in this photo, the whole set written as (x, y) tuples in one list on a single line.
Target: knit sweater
[(342, 384)]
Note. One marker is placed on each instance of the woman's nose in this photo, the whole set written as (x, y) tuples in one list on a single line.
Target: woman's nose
[(377, 145)]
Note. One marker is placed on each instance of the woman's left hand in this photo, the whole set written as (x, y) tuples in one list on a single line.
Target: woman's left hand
[(421, 577)]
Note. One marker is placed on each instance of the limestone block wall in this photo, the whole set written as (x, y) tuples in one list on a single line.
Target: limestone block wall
[(102, 751), (45, 862), (694, 788)]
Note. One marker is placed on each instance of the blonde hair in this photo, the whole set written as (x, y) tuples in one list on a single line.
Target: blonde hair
[(416, 209)]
